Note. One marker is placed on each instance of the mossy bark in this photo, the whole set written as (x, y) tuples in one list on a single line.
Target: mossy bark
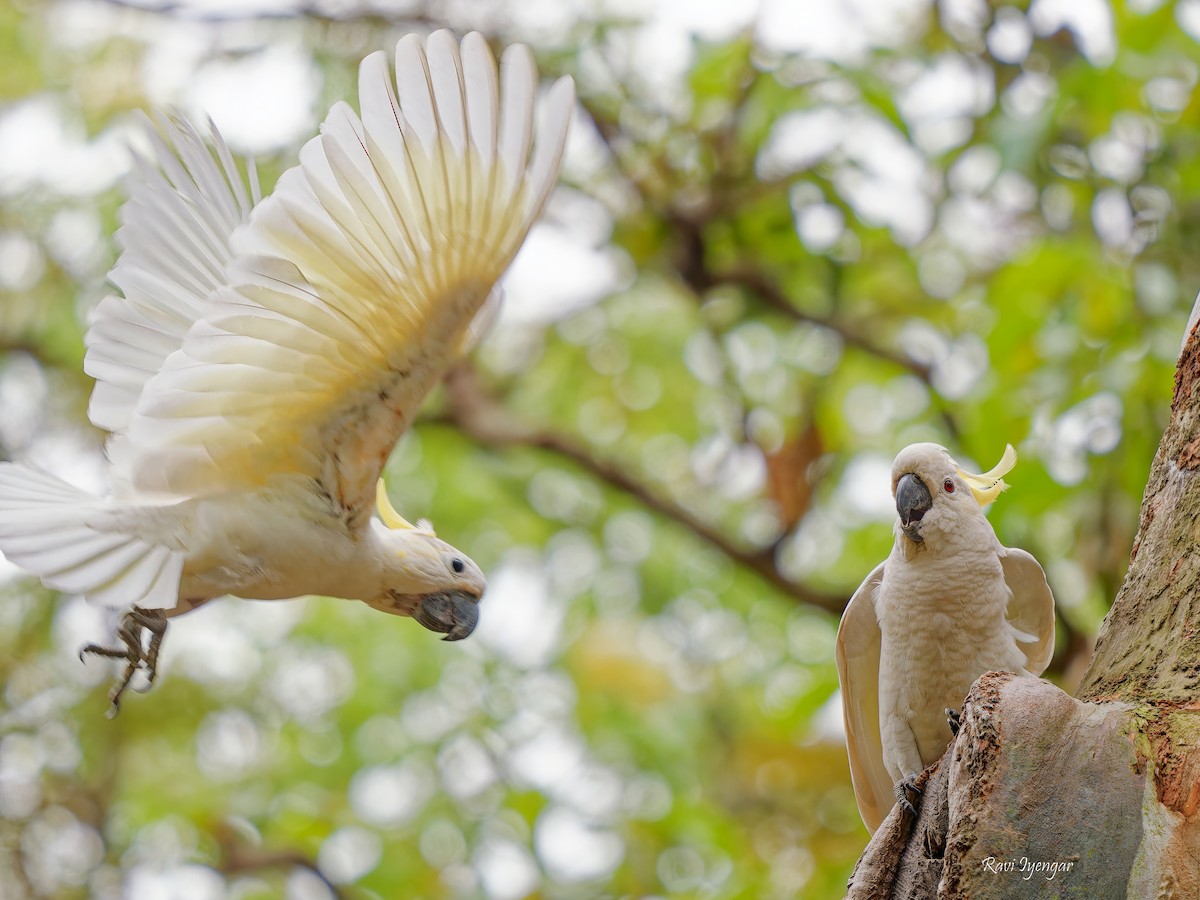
[(1047, 795)]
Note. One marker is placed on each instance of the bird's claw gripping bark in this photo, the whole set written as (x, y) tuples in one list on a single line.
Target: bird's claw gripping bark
[(900, 791), (954, 720), (137, 655)]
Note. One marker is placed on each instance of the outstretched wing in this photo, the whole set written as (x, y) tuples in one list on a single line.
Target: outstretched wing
[(175, 227), (1030, 612), (858, 647), (360, 277)]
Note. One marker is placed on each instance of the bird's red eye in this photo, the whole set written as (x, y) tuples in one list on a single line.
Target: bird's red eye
[(948, 486)]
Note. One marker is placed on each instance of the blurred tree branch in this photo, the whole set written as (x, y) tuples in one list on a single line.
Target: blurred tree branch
[(323, 13), (484, 419), (691, 252), (237, 858)]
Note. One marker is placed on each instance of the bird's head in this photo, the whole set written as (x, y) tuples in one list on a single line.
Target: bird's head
[(423, 576), (934, 495)]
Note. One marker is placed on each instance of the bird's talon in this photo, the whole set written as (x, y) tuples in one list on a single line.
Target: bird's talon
[(136, 655), (903, 786)]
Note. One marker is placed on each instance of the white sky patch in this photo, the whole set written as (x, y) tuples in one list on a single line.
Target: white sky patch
[(349, 853), (260, 102), (549, 759), (466, 767), (882, 176), (573, 849), (172, 58), (506, 869), (866, 487), (70, 457), (941, 102), (390, 796), (555, 274), (819, 226), (184, 8), (885, 185), (223, 640), (840, 31), (818, 539), (38, 148), (518, 618), (801, 139), (190, 881), (1089, 21), (228, 744), (1010, 37), (712, 20), (1187, 14), (827, 724)]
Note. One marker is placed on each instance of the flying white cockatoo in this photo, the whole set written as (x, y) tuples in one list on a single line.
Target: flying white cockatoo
[(949, 604), (264, 356)]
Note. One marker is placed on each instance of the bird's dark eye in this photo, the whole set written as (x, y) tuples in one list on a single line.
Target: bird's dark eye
[(948, 486), (457, 564)]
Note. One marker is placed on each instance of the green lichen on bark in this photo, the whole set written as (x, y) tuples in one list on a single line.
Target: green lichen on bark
[(1148, 649)]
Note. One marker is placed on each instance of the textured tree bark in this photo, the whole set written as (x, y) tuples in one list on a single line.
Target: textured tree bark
[(1046, 795)]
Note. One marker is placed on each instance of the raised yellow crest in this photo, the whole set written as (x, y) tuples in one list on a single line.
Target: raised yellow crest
[(988, 486), (393, 519)]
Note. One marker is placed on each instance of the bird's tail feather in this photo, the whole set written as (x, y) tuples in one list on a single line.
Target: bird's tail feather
[(49, 528)]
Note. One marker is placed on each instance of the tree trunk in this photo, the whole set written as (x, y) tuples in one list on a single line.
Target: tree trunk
[(1046, 795)]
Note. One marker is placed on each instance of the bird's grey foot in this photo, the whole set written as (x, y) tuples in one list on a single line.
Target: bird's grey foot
[(136, 653), (953, 720), (900, 791)]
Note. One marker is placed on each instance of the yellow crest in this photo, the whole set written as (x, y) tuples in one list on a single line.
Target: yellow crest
[(393, 519), (987, 487)]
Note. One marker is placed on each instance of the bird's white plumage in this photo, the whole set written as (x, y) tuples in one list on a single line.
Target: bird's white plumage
[(175, 230), (357, 283), (263, 357), (928, 621), (858, 643), (1030, 612), (65, 536)]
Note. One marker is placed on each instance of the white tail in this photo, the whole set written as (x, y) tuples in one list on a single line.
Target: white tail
[(50, 528)]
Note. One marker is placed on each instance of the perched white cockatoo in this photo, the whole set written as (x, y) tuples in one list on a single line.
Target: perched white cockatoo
[(949, 604), (263, 357)]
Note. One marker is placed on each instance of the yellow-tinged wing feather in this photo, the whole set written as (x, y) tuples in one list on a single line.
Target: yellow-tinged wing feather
[(357, 281), (1030, 612), (858, 646)]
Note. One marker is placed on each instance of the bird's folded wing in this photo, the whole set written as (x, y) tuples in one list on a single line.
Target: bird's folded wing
[(175, 228), (1030, 612), (858, 647), (360, 278)]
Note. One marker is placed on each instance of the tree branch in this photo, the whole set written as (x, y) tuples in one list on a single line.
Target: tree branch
[(236, 858), (692, 264), (484, 420), (769, 292), (313, 12)]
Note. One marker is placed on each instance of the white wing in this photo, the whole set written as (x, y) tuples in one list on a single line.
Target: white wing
[(1030, 612), (858, 647), (67, 538), (175, 227), (363, 273)]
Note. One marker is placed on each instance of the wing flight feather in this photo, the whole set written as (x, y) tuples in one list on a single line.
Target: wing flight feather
[(857, 650), (175, 228), (356, 282), (1031, 609)]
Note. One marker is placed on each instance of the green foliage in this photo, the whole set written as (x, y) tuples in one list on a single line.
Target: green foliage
[(809, 271)]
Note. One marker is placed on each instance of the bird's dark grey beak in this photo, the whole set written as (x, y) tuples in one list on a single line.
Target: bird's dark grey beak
[(912, 502), (452, 613)]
